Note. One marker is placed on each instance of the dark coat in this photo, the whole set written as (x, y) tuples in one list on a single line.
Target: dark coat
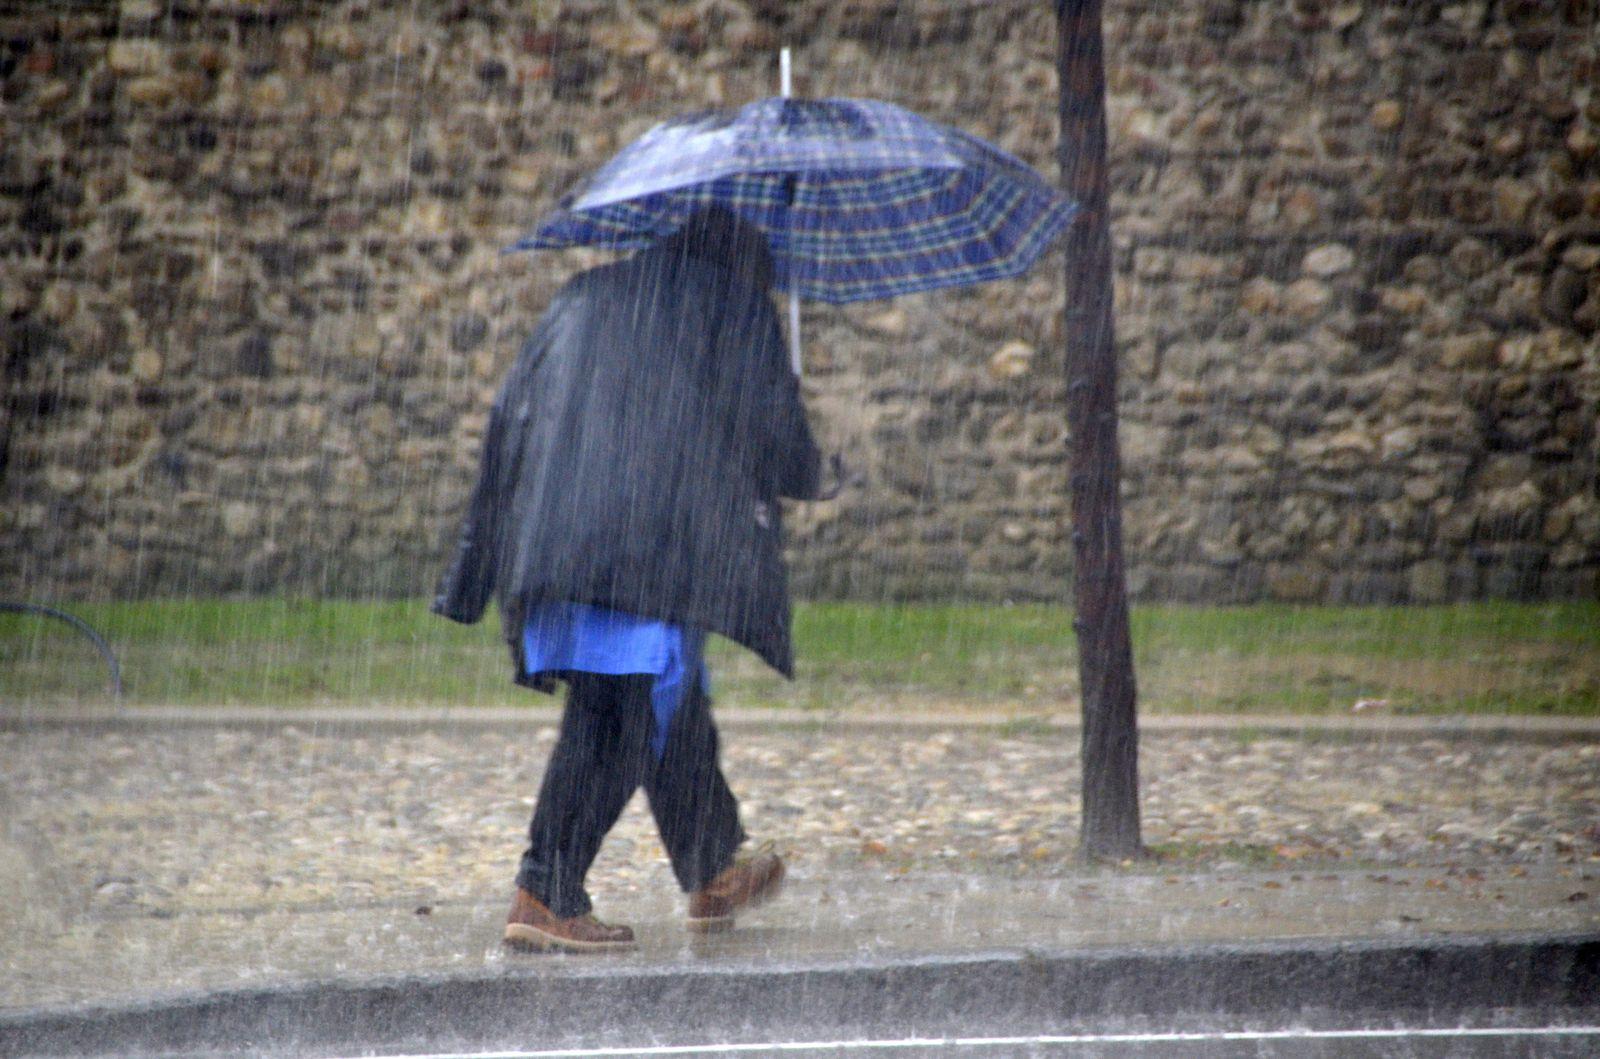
[(637, 448)]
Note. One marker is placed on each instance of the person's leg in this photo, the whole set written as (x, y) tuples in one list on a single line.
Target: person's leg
[(599, 760), (696, 813)]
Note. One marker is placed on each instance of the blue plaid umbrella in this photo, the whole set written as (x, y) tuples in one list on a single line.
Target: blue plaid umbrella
[(859, 199)]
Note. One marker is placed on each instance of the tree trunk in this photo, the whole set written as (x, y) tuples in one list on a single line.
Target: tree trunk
[(1105, 664)]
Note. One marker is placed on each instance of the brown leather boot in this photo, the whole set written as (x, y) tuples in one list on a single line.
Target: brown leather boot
[(749, 881), (533, 927)]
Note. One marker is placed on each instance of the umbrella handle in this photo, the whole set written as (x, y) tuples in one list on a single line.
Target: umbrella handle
[(842, 477)]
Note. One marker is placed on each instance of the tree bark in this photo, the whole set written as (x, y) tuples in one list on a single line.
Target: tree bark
[(1110, 751)]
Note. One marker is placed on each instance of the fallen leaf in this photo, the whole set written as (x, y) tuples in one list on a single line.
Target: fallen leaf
[(1578, 896)]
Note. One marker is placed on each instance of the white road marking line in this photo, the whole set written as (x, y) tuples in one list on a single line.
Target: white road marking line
[(996, 1042)]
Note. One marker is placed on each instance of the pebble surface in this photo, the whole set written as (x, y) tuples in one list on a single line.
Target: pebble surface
[(158, 822)]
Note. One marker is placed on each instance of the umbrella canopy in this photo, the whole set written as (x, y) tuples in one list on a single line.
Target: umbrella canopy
[(859, 199)]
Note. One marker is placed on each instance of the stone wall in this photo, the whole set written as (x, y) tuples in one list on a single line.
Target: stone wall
[(254, 307)]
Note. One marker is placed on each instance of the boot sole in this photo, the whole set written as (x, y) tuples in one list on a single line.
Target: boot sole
[(709, 925), (524, 938)]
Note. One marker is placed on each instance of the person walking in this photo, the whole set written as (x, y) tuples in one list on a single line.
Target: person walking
[(626, 506)]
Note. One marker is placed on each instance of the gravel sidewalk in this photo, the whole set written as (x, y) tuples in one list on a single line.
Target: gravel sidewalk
[(163, 822), (145, 859)]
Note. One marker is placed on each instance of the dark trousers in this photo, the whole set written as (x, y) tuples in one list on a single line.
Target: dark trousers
[(601, 757)]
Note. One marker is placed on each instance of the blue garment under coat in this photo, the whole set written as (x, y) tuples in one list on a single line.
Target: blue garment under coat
[(574, 637)]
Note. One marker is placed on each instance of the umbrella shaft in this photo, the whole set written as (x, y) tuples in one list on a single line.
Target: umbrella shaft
[(794, 333)]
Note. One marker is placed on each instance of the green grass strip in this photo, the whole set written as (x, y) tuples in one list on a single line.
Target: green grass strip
[(1505, 658)]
